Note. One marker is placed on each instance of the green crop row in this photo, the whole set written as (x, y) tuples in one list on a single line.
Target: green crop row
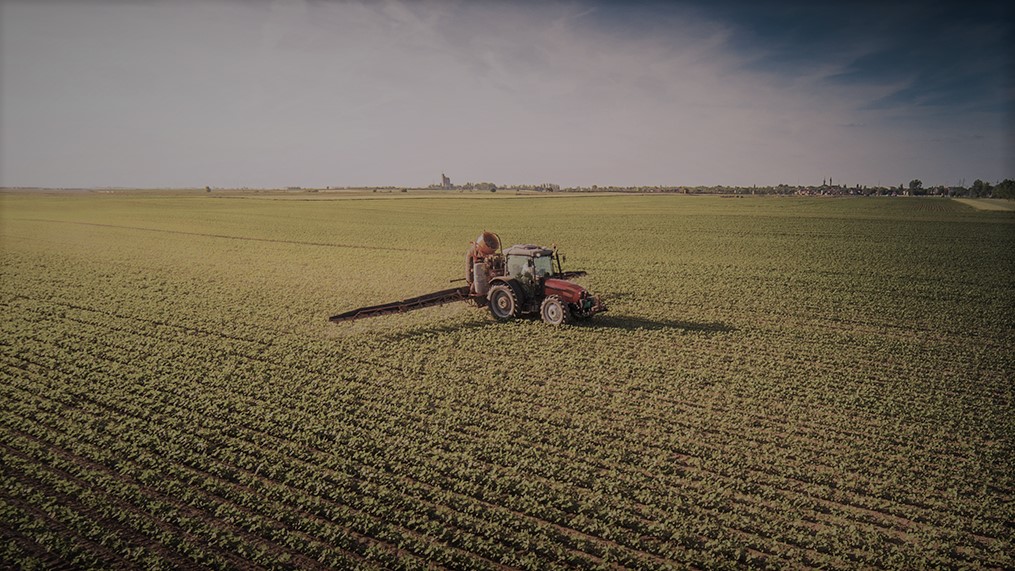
[(778, 383)]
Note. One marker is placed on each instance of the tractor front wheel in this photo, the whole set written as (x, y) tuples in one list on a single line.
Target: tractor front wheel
[(554, 311), (503, 303)]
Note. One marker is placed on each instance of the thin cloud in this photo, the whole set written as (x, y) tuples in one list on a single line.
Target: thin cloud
[(365, 93)]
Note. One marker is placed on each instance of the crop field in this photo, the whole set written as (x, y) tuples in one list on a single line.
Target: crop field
[(778, 383)]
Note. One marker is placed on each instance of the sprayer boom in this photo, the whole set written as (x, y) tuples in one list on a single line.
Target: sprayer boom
[(411, 304)]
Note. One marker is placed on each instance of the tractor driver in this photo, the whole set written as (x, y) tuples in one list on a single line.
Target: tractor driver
[(528, 272)]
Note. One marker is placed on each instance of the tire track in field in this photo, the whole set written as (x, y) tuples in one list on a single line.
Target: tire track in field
[(157, 322), (271, 332), (223, 236)]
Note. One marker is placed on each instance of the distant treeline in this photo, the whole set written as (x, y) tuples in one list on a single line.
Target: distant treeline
[(979, 189)]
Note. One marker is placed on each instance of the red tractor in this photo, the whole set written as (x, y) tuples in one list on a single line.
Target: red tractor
[(520, 280)]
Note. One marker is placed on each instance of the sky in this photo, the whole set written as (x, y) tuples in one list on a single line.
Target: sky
[(315, 93)]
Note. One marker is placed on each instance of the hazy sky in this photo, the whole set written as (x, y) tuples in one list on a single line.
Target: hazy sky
[(318, 93)]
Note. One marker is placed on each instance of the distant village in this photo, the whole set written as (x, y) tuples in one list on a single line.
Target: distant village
[(979, 189), (828, 187)]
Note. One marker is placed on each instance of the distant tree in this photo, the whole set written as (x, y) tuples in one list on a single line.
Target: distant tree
[(980, 188), (1005, 189), (916, 187)]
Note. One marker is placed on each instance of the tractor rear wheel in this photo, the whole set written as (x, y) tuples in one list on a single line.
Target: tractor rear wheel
[(554, 311), (503, 303)]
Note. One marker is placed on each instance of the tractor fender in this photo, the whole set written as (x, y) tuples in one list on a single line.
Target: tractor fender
[(567, 291)]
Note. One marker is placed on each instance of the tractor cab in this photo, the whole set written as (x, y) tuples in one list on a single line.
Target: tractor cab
[(529, 265)]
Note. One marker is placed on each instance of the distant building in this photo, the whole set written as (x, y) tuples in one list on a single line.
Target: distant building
[(446, 182)]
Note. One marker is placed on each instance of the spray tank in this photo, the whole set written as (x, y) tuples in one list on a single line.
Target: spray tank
[(482, 261)]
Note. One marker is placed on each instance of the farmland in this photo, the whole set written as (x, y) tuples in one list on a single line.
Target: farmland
[(779, 382)]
